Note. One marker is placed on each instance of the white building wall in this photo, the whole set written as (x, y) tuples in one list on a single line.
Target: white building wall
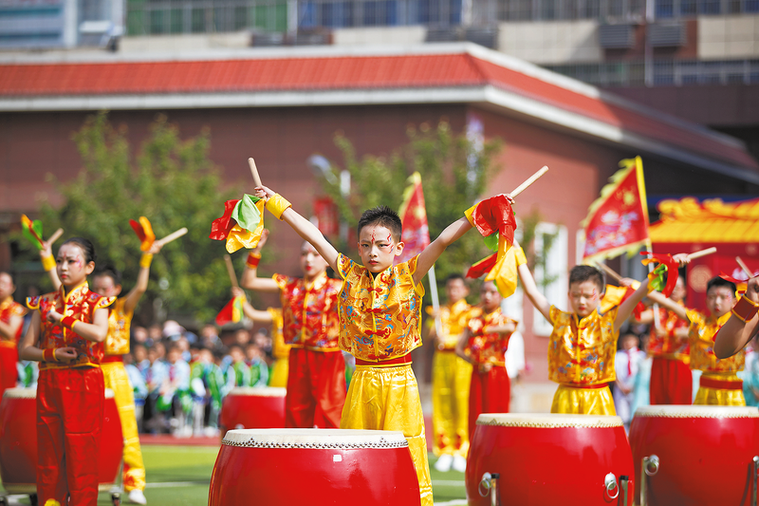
[(728, 37), (552, 42), (380, 35)]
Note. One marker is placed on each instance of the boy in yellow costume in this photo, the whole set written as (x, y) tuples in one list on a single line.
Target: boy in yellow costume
[(107, 282), (451, 376), (719, 383), (583, 342), (380, 322)]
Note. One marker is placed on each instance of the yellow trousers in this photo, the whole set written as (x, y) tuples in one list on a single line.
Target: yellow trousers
[(387, 398), (116, 379), (451, 376), (279, 372), (720, 396), (583, 401)]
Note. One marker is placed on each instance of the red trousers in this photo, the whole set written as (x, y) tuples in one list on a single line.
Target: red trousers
[(69, 420), (8, 372), (671, 382), (489, 392), (315, 389)]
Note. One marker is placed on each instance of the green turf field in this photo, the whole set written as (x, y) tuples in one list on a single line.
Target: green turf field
[(179, 476)]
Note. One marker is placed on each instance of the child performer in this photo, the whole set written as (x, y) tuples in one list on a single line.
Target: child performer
[(484, 344), (11, 323), (719, 384), (671, 379), (451, 376), (280, 350), (316, 379), (107, 282), (583, 343), (380, 321), (66, 336), (742, 326)]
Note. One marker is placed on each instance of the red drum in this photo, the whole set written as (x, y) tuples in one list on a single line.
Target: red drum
[(292, 467), (18, 441), (539, 459), (253, 408), (695, 455)]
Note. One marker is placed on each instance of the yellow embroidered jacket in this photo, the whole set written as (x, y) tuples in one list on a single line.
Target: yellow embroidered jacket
[(581, 351), (701, 337), (453, 321), (279, 349), (381, 315), (119, 322), (80, 303)]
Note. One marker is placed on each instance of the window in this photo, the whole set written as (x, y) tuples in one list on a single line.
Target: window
[(551, 251)]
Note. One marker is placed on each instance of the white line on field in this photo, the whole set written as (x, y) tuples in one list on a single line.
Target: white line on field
[(455, 502), (170, 484), (448, 483)]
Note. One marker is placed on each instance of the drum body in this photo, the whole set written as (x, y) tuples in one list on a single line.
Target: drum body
[(293, 467), (705, 454), (18, 441), (253, 408), (541, 459)]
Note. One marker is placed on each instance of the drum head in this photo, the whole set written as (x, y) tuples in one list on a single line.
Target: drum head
[(259, 391), (684, 411), (548, 420), (20, 393), (315, 438)]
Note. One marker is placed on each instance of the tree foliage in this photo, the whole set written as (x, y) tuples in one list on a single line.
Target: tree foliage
[(454, 174), (173, 183)]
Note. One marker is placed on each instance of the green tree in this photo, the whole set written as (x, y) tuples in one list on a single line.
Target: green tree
[(454, 175), (173, 183)]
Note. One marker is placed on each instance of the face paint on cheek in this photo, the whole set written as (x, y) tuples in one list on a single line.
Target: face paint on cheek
[(594, 296)]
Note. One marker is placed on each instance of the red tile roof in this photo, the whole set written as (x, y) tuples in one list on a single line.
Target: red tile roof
[(326, 73)]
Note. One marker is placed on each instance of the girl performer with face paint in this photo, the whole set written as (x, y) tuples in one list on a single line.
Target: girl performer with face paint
[(316, 379), (66, 336)]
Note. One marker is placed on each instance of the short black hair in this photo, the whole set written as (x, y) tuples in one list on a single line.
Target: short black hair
[(719, 282), (384, 217), (581, 273), (110, 271), (454, 277), (85, 245)]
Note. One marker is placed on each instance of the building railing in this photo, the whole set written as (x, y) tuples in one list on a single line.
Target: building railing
[(663, 72)]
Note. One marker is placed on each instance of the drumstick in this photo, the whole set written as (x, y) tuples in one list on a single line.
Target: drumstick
[(172, 236), (522, 187), (608, 270), (744, 267), (56, 235), (254, 172), (231, 271), (702, 253)]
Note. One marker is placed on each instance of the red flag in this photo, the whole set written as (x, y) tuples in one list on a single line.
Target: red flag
[(232, 312), (482, 267), (413, 214), (221, 227), (617, 221)]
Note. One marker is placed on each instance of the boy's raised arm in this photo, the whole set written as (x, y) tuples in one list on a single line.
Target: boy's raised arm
[(737, 332), (531, 290), (283, 210), (669, 304), (431, 253)]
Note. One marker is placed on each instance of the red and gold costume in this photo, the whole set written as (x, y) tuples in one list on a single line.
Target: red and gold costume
[(451, 377), (115, 377), (279, 350), (581, 360), (9, 347), (720, 384), (671, 379), (490, 391), (380, 323), (316, 378), (70, 398)]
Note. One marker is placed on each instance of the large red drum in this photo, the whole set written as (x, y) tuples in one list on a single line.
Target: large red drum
[(318, 467), (253, 408), (18, 441), (572, 460), (695, 455)]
